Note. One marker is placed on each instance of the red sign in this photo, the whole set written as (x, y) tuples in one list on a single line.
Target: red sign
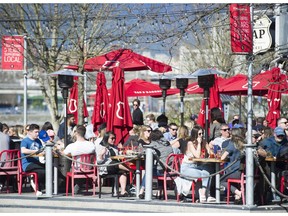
[(13, 53), (240, 28)]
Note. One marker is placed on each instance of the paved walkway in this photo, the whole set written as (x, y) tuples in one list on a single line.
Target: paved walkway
[(85, 202)]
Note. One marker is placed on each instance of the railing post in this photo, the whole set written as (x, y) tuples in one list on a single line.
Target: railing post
[(148, 172), (49, 168)]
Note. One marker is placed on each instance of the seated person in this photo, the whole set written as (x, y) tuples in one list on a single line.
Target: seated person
[(191, 170), (162, 149), (104, 151), (30, 145), (234, 150)]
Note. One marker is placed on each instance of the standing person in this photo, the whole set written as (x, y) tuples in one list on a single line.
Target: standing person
[(30, 145), (137, 115), (81, 146), (104, 151), (234, 150), (70, 125)]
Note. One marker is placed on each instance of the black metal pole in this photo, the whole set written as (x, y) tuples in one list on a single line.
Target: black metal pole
[(164, 91), (182, 93), (206, 98), (64, 164)]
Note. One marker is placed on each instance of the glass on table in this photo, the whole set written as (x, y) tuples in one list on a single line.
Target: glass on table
[(218, 155)]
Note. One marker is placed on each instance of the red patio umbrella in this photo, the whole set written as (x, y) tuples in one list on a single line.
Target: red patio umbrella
[(194, 88), (274, 96), (119, 118), (139, 87), (73, 102), (214, 101), (101, 103), (125, 59)]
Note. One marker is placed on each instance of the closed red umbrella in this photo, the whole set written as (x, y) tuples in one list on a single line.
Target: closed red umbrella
[(274, 96), (214, 101), (125, 59), (101, 103), (73, 102), (119, 118)]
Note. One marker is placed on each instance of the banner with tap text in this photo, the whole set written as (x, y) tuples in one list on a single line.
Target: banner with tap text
[(240, 29)]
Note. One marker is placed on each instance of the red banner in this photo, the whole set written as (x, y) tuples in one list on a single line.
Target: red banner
[(240, 28), (13, 53)]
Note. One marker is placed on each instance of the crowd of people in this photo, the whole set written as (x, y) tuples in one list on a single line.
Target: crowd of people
[(228, 139)]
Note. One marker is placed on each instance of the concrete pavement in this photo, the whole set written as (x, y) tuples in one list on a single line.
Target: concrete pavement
[(85, 202)]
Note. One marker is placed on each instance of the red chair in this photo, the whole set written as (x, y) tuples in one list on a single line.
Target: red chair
[(81, 170), (9, 167), (173, 161), (25, 174), (242, 183), (282, 184)]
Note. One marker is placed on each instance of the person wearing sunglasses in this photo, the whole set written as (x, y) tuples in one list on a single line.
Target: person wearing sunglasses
[(171, 136), (216, 144), (193, 149), (283, 123), (137, 114), (104, 151)]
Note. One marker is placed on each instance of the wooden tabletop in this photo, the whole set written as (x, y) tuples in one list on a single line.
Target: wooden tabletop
[(208, 160), (122, 157)]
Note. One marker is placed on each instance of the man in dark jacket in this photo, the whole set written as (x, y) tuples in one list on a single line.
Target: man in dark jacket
[(137, 115)]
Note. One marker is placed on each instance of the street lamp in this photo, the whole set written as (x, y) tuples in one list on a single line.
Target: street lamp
[(65, 81), (206, 79), (164, 84)]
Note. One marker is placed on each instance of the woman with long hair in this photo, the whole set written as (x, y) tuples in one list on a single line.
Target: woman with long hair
[(104, 151), (235, 151), (192, 149), (144, 135), (216, 121)]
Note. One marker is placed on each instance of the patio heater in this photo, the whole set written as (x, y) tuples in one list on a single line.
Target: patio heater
[(182, 84), (206, 82), (65, 82), (164, 84)]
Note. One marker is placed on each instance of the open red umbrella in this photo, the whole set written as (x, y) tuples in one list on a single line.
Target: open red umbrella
[(214, 101), (274, 96), (194, 88), (119, 118), (125, 59), (101, 103), (73, 102)]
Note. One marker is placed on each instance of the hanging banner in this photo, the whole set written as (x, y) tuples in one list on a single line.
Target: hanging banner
[(240, 28), (13, 53)]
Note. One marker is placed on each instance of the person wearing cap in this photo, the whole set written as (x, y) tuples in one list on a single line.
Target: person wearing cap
[(162, 121), (283, 123), (31, 145), (273, 146)]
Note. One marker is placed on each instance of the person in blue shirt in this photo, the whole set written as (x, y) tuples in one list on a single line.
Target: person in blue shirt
[(171, 136), (30, 145)]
